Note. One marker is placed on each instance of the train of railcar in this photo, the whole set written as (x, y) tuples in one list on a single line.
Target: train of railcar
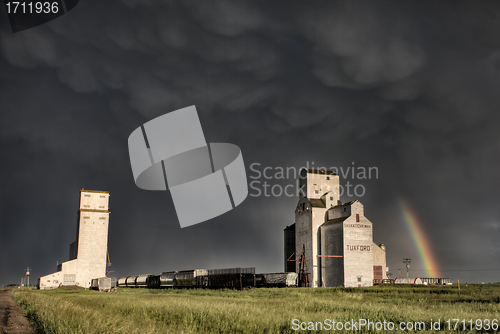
[(233, 278), (103, 284)]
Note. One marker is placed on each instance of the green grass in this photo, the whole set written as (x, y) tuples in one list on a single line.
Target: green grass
[(250, 311)]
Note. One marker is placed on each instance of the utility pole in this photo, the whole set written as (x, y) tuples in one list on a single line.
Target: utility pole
[(27, 279), (407, 262)]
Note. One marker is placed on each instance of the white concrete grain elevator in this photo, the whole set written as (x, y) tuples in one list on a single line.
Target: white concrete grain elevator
[(87, 255), (331, 243)]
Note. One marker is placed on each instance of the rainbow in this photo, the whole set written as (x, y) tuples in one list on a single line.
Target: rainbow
[(420, 240)]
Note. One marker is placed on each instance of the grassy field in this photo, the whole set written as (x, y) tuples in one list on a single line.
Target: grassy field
[(256, 310)]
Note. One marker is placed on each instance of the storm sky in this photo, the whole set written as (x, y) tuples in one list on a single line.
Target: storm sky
[(411, 88)]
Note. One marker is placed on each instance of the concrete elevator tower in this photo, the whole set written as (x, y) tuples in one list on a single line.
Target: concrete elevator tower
[(87, 255), (318, 191)]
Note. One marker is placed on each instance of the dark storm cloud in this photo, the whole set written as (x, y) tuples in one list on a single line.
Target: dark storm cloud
[(406, 87), (356, 47)]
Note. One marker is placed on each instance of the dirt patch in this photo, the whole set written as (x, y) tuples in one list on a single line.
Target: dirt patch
[(12, 319)]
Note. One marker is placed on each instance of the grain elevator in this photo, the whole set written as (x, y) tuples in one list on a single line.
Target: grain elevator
[(331, 243)]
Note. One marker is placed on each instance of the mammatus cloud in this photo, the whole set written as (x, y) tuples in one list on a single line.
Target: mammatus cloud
[(355, 47)]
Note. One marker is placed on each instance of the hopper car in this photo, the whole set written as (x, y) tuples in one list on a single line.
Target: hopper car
[(233, 278)]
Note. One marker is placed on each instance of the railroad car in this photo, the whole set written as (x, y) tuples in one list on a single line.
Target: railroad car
[(232, 278), (140, 281), (164, 280), (103, 284), (130, 281), (122, 282), (280, 279), (190, 278)]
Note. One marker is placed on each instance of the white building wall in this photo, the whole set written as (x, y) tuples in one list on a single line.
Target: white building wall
[(316, 184), (69, 266), (51, 281), (358, 250), (92, 246), (378, 256), (94, 200)]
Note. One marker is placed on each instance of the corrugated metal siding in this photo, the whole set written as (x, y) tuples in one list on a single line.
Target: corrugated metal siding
[(377, 273)]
